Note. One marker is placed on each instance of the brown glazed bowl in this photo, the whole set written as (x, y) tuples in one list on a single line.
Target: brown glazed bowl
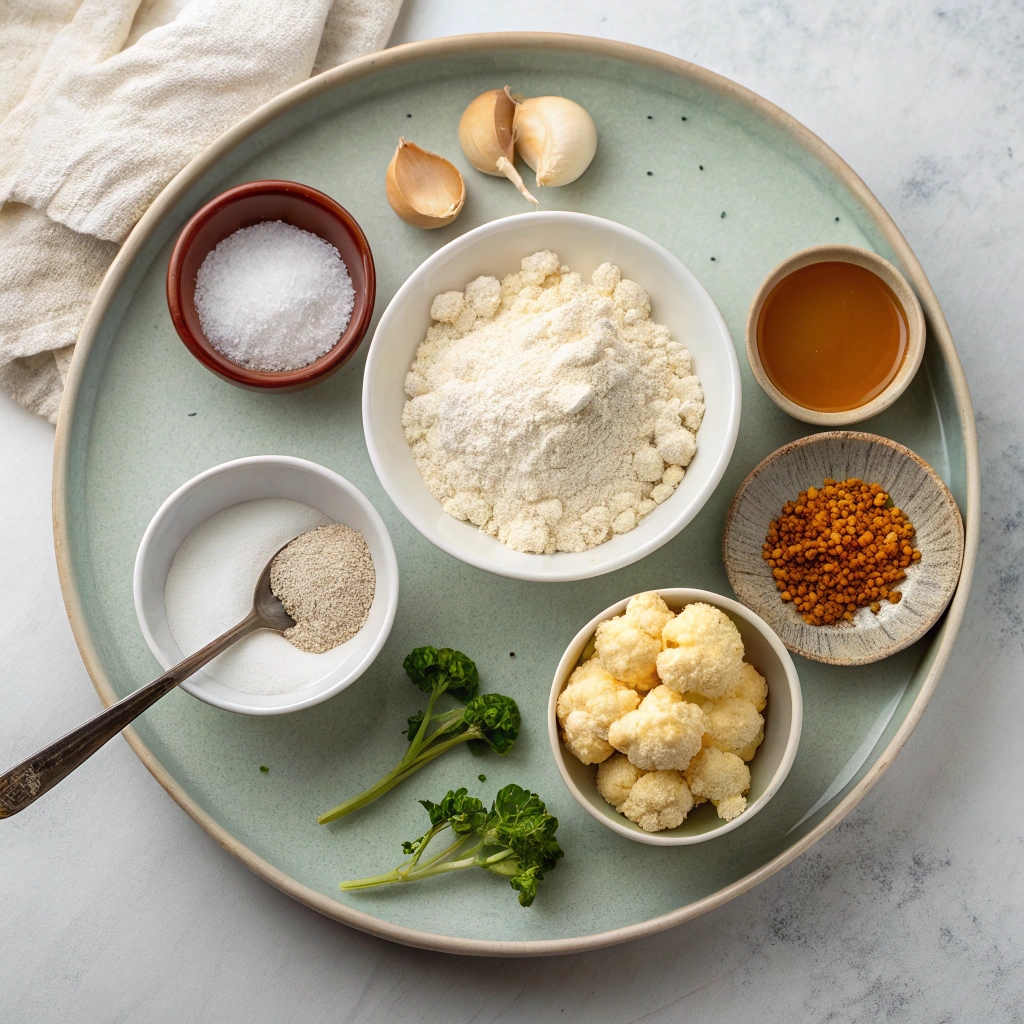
[(241, 207)]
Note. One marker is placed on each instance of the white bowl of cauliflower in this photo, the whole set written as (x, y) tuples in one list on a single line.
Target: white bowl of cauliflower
[(675, 716)]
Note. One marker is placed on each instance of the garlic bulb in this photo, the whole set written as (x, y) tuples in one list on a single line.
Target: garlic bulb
[(423, 188), (485, 134), (555, 136)]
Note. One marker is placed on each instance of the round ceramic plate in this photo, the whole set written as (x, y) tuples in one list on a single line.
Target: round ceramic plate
[(679, 147)]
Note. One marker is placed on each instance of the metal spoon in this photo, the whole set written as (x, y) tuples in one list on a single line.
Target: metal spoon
[(28, 781)]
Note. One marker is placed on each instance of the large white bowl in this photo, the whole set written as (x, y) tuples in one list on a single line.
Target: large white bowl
[(783, 720), (583, 242), (219, 488)]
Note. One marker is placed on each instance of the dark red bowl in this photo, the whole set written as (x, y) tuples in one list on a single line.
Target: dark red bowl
[(241, 207)]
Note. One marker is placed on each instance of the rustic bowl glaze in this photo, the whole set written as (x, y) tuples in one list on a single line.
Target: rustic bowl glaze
[(915, 332), (242, 207), (914, 487)]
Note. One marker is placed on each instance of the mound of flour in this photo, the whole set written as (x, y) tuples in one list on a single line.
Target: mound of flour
[(549, 412)]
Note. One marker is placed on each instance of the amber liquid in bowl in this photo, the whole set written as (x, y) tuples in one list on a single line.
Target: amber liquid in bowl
[(831, 336)]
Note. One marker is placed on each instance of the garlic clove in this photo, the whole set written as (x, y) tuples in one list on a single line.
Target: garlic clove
[(485, 130), (423, 188), (485, 134), (555, 136)]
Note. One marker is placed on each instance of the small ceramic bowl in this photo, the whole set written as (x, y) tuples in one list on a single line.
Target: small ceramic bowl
[(230, 484), (915, 332), (783, 719), (242, 207), (914, 487), (583, 243)]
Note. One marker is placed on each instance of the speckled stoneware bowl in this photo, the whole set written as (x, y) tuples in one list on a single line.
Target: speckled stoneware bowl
[(783, 720), (914, 487)]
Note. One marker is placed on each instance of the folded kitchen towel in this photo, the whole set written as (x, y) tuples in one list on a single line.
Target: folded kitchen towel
[(102, 102)]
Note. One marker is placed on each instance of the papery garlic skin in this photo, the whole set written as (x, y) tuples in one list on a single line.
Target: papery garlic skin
[(555, 136), (423, 188), (485, 134)]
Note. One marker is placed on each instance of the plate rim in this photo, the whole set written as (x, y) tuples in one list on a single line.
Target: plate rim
[(446, 47)]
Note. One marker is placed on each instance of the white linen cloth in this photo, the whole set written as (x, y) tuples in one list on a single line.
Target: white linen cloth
[(102, 102)]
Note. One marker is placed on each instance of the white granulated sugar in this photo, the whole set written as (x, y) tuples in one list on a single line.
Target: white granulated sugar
[(210, 586), (549, 412), (274, 297)]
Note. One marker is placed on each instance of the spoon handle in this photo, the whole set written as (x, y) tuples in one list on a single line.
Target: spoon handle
[(28, 781)]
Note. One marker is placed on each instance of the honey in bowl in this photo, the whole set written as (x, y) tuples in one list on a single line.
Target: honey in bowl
[(831, 336)]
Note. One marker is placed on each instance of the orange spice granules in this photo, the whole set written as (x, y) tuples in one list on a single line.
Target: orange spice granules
[(838, 549)]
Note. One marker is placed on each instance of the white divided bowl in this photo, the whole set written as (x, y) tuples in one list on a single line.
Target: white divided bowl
[(783, 721), (230, 484), (583, 243)]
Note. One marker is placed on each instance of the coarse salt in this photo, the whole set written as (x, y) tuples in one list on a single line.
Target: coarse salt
[(273, 297)]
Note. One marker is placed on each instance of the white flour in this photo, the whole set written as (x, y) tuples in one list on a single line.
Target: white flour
[(549, 412), (210, 585)]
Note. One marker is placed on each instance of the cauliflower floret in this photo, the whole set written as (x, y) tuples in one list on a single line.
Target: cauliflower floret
[(588, 705), (751, 686), (700, 700), (629, 652), (721, 778), (658, 800), (664, 732), (736, 727), (731, 807), (704, 651), (616, 777), (583, 743), (649, 612)]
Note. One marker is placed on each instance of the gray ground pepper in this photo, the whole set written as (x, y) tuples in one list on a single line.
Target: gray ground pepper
[(325, 579)]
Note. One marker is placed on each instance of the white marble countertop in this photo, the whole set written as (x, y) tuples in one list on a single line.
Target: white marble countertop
[(117, 907)]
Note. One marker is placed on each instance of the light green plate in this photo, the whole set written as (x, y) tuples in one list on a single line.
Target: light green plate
[(730, 185)]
